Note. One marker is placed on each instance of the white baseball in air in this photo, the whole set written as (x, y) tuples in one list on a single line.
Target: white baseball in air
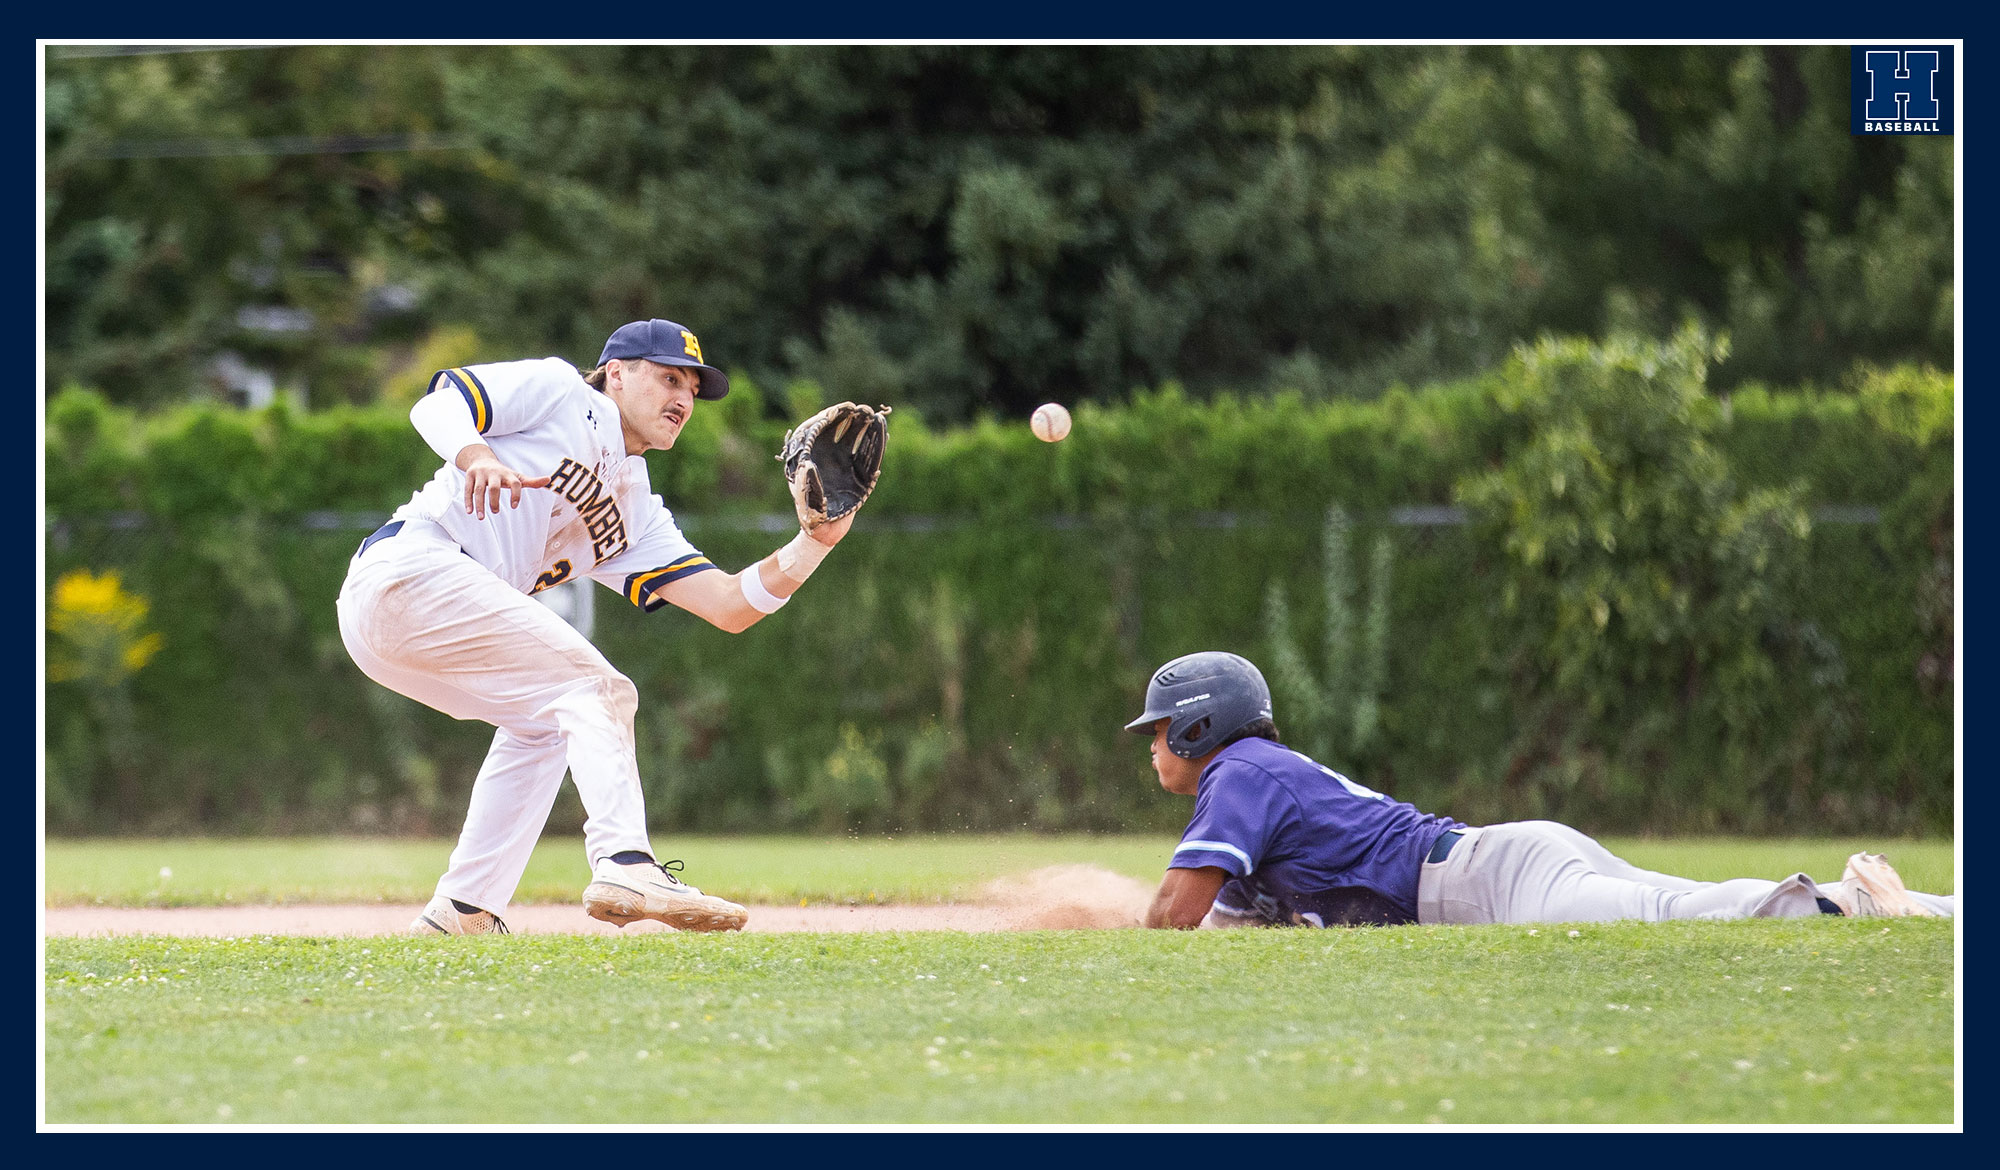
[(1051, 422)]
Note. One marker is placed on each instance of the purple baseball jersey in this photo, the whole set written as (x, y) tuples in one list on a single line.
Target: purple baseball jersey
[(1303, 843)]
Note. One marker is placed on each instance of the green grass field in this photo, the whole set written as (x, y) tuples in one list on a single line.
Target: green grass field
[(1823, 1021)]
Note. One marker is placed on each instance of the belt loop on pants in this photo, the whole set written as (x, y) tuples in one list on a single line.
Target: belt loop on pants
[(1442, 849), (383, 533)]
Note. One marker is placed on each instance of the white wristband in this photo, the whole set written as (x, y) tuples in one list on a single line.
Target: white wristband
[(761, 599), (801, 556)]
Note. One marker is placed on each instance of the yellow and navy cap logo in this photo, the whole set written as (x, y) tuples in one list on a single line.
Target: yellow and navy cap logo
[(669, 344)]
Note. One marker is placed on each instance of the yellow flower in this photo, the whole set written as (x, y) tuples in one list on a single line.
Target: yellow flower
[(82, 594), (139, 653), (94, 627)]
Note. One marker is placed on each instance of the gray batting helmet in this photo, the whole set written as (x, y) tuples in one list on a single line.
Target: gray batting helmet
[(1209, 697)]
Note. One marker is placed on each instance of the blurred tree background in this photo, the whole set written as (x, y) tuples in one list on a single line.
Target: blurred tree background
[(1566, 430), (975, 229)]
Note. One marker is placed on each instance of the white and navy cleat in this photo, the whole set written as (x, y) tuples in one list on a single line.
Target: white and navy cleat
[(441, 917), (624, 894)]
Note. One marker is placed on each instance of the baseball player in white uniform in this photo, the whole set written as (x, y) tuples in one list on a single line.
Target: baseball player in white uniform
[(542, 483)]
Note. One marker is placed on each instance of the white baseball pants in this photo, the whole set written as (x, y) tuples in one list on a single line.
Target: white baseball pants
[(425, 620), (1542, 871)]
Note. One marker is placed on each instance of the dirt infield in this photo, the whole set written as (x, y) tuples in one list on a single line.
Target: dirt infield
[(1063, 897)]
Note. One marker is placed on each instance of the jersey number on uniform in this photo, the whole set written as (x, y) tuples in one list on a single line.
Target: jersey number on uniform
[(555, 576)]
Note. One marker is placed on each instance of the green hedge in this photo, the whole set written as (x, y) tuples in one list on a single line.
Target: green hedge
[(967, 658)]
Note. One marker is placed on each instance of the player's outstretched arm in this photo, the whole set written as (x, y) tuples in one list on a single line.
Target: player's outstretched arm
[(832, 462), (1185, 896), (736, 601)]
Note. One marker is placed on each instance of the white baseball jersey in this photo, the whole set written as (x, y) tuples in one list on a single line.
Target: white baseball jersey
[(597, 518)]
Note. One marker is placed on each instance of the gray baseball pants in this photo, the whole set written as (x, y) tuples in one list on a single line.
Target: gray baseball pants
[(1542, 871)]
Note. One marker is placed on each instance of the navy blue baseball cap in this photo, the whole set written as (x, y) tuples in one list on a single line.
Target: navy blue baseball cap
[(668, 344)]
